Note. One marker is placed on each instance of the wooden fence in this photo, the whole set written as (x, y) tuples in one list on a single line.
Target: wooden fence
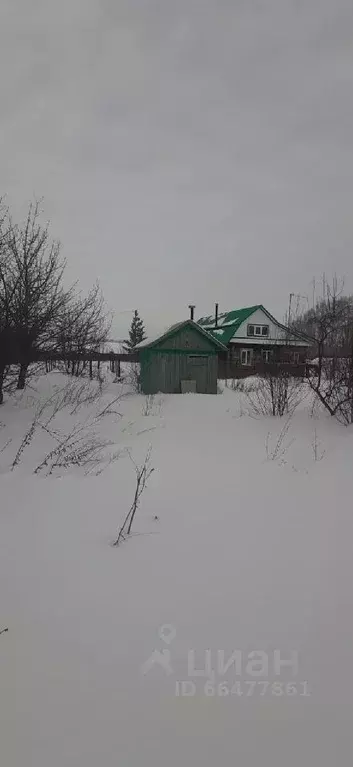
[(229, 370), (75, 361), (43, 356)]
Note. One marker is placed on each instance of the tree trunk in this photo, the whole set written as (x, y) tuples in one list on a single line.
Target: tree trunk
[(21, 381), (2, 376)]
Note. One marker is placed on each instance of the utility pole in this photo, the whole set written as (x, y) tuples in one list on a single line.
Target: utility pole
[(313, 283), (289, 320), (298, 297), (291, 296)]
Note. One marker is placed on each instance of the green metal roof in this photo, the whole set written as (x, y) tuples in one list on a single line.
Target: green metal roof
[(228, 322)]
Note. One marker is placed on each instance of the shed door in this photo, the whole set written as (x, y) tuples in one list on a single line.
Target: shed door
[(198, 370)]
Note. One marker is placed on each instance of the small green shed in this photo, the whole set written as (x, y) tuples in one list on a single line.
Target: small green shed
[(183, 359)]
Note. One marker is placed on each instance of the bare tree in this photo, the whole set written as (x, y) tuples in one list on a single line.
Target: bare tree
[(83, 327), (33, 283), (36, 312), (7, 289), (322, 322), (331, 378)]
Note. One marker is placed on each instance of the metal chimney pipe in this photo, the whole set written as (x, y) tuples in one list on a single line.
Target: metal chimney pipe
[(216, 315), (192, 311)]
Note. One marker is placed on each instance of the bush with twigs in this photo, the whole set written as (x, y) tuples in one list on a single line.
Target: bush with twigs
[(277, 447), (133, 377), (143, 472), (276, 395), (79, 444)]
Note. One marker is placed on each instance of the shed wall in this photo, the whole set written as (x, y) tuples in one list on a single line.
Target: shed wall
[(163, 371), (187, 338)]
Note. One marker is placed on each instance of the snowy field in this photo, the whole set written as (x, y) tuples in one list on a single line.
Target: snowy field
[(118, 656)]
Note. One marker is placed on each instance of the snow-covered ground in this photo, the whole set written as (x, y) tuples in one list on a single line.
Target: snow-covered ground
[(231, 551)]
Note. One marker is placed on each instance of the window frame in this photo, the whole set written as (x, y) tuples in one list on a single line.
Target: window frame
[(249, 353), (256, 330), (266, 354)]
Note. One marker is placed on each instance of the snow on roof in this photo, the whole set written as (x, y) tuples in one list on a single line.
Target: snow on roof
[(151, 339), (227, 319), (200, 328)]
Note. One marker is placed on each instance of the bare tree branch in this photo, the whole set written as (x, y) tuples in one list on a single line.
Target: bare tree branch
[(143, 473)]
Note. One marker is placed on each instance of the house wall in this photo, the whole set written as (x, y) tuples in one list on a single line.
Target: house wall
[(280, 353), (276, 333)]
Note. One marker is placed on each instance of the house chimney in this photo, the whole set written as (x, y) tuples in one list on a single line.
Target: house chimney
[(192, 311), (216, 315)]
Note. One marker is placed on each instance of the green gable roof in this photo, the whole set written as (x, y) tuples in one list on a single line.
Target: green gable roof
[(228, 322), (149, 343)]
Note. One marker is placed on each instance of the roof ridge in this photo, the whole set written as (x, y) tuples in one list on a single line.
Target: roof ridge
[(174, 328)]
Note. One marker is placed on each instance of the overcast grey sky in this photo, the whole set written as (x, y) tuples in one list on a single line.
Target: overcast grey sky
[(187, 150)]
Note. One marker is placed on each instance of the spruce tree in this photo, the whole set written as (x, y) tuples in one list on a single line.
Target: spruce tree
[(136, 333)]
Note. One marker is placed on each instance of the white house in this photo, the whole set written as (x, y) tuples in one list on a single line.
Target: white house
[(252, 334)]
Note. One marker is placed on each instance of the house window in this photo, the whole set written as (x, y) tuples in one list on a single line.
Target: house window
[(258, 330), (296, 358), (266, 355), (246, 357)]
